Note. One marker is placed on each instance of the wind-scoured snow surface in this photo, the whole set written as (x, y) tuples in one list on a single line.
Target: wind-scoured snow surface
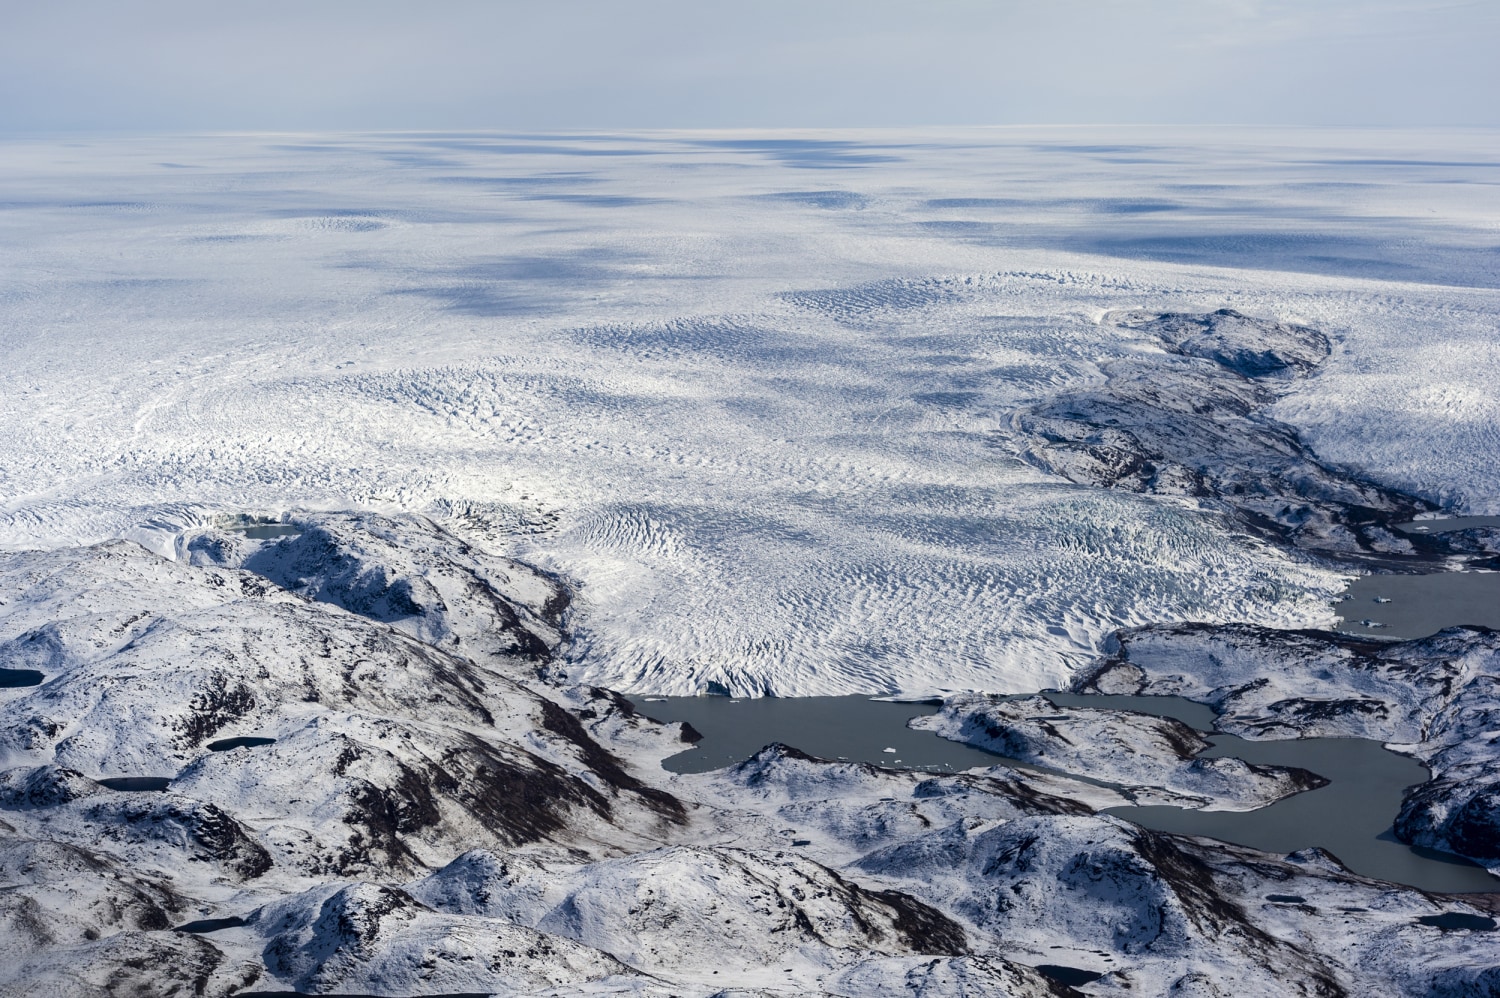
[(753, 395)]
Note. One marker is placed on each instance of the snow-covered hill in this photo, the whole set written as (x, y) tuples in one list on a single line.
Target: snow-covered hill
[(342, 807)]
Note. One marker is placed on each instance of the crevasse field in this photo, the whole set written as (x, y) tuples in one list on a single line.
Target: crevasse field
[(750, 393)]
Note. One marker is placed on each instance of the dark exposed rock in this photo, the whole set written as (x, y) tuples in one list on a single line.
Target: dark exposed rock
[(1248, 346), (221, 699), (560, 722), (1459, 816), (925, 929), (1201, 427)]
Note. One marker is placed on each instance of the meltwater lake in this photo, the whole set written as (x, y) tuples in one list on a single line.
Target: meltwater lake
[(1350, 817), (1414, 606)]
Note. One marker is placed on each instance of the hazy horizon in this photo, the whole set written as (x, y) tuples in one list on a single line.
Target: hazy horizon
[(170, 66)]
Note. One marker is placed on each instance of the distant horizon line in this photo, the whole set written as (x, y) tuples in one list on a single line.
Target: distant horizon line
[(584, 132)]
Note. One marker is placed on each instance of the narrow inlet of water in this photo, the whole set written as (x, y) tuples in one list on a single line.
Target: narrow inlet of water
[(1447, 524)]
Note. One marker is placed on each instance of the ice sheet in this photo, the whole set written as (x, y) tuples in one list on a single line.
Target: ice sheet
[(750, 392)]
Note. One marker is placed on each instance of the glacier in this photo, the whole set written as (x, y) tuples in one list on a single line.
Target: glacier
[(753, 395)]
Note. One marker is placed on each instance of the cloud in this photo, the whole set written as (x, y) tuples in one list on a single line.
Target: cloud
[(172, 64)]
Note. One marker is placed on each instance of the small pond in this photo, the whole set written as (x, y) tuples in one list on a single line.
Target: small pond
[(241, 741), (135, 784), (268, 531), (13, 679), (211, 924), (1351, 817)]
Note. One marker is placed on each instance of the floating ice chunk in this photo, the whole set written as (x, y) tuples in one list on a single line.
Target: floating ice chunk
[(888, 749)]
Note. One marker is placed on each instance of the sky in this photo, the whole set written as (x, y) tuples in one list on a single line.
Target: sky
[(194, 65)]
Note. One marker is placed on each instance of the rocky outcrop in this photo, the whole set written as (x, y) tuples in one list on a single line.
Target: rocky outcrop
[(1198, 425), (409, 572), (1249, 346)]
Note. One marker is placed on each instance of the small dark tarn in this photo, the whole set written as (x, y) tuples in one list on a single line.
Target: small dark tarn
[(1287, 898), (211, 924), (1450, 920), (135, 784), (12, 679), (1067, 976), (268, 531), (243, 741)]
